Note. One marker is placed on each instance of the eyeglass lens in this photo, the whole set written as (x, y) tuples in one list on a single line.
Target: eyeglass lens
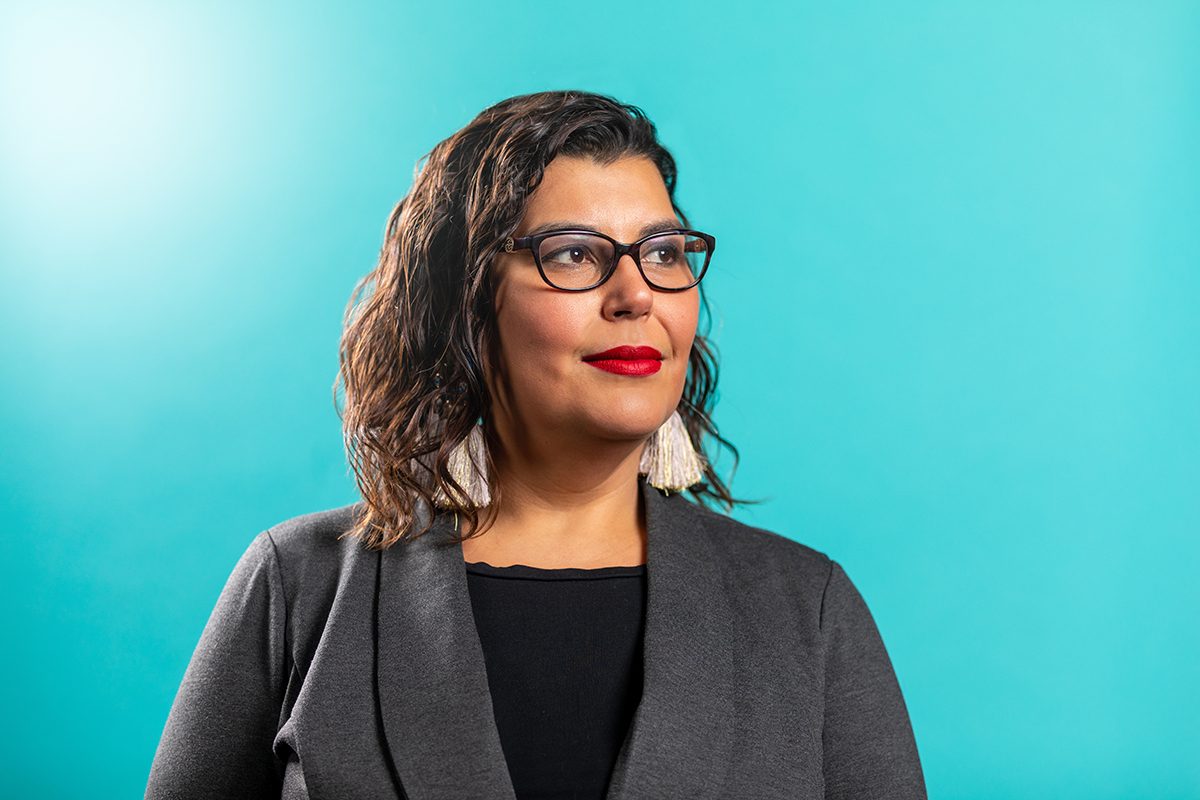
[(579, 260)]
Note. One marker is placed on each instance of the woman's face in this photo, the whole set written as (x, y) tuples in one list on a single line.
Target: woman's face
[(550, 394)]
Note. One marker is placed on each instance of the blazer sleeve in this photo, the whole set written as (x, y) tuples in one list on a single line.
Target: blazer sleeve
[(870, 751), (218, 738)]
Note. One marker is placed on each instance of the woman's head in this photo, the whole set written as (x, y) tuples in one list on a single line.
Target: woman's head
[(456, 326), (544, 394)]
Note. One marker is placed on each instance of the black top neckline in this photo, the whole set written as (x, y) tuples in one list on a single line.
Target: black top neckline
[(526, 572)]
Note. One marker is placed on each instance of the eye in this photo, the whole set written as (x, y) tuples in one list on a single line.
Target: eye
[(662, 252), (665, 255), (572, 254)]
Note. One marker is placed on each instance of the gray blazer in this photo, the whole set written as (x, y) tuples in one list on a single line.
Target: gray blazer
[(333, 672)]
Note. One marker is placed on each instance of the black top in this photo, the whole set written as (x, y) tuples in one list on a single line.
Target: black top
[(563, 649)]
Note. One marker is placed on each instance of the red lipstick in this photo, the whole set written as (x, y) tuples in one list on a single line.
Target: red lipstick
[(627, 360)]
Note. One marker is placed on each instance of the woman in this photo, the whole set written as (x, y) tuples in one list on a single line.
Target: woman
[(523, 605)]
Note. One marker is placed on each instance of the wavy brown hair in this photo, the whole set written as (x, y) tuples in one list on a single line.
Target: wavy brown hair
[(418, 326)]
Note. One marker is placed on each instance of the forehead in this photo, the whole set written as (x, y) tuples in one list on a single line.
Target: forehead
[(621, 196)]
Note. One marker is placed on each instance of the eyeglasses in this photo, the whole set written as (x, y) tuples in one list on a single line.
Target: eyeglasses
[(578, 260)]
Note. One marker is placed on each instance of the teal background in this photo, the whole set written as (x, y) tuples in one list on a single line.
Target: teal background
[(955, 297)]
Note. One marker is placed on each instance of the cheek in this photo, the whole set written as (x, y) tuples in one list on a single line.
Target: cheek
[(538, 331), (680, 320)]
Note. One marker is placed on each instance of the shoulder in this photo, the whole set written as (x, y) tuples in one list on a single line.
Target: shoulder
[(312, 547), (315, 530), (758, 556)]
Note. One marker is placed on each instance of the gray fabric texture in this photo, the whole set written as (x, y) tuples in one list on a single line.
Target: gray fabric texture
[(328, 671)]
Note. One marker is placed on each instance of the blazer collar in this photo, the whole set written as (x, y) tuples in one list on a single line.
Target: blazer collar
[(436, 708)]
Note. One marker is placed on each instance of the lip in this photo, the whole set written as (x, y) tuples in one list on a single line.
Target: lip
[(627, 360), (626, 351)]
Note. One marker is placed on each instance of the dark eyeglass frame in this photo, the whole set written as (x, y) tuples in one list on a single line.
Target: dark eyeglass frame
[(620, 249)]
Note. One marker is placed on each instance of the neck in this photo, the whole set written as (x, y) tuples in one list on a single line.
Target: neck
[(563, 506)]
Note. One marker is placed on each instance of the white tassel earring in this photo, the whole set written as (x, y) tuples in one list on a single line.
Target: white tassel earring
[(670, 461), (468, 460), (468, 466)]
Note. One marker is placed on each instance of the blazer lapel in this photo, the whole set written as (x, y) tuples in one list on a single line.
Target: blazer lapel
[(680, 741), (432, 684), (434, 699)]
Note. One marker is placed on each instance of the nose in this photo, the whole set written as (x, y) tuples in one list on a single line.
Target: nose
[(627, 274), (627, 293)]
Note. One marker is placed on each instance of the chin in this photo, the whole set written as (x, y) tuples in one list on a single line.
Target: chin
[(636, 427)]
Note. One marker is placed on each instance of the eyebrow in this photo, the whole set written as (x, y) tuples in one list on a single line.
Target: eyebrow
[(647, 229)]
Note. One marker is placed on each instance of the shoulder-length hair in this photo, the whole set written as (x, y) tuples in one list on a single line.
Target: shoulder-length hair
[(420, 323)]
